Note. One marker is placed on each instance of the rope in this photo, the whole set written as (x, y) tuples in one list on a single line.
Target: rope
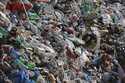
[(31, 24), (25, 11), (98, 35)]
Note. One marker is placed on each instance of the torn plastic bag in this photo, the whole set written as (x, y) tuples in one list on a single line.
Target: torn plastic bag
[(56, 40), (70, 44), (77, 40), (44, 52), (37, 44), (78, 50)]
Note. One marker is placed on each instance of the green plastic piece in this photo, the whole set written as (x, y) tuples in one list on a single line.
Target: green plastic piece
[(28, 65), (87, 7), (3, 33), (31, 65), (33, 16)]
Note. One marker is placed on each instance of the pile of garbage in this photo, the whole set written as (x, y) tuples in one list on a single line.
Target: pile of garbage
[(62, 41)]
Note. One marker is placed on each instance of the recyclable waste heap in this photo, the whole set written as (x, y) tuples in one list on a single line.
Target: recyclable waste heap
[(62, 41)]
